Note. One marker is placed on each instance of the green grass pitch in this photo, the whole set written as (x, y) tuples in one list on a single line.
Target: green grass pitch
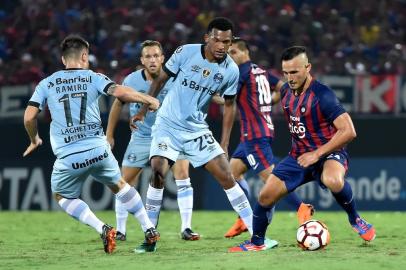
[(53, 240)]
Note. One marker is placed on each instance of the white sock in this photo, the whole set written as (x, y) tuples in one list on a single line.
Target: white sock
[(185, 202), (153, 203), (79, 210), (131, 200), (241, 205), (121, 216)]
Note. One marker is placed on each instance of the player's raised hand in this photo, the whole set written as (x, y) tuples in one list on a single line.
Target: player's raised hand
[(33, 145), (139, 117), (308, 159)]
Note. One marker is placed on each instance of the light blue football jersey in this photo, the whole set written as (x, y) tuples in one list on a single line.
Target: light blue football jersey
[(197, 80), (72, 96), (138, 80)]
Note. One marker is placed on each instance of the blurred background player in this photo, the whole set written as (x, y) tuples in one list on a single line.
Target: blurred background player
[(136, 156), (78, 141), (320, 129), (257, 91), (202, 71)]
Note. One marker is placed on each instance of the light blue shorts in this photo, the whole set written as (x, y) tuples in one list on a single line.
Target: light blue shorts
[(70, 173), (137, 153), (169, 143)]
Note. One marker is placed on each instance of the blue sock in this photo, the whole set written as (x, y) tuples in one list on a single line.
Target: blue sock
[(346, 200), (260, 224), (244, 186), (293, 200)]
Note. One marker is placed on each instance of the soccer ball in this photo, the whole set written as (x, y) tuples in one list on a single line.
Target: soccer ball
[(312, 235)]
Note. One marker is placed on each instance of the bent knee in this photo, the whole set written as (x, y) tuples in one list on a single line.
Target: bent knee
[(335, 184)]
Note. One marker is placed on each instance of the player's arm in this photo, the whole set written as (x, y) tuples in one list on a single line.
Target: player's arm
[(156, 86), (218, 99), (30, 124), (276, 94), (114, 116), (228, 121), (127, 94), (345, 134)]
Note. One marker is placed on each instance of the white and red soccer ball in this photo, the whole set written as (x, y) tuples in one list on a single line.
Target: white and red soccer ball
[(312, 235)]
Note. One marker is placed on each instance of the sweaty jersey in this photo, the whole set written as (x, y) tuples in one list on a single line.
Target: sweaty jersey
[(254, 101), (310, 116), (138, 80), (72, 96), (197, 81)]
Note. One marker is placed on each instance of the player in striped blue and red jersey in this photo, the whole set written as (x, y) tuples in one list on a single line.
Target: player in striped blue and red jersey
[(320, 129), (257, 91)]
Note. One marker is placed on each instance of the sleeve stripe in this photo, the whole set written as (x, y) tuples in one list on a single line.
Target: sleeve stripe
[(106, 88), (170, 73), (33, 103), (229, 96)]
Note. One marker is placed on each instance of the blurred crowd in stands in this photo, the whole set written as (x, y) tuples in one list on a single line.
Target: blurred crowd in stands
[(343, 36)]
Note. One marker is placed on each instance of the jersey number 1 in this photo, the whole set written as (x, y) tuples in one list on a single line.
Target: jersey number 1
[(66, 106)]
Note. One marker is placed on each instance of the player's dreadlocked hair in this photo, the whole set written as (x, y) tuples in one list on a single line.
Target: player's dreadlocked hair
[(292, 52), (220, 23), (72, 45)]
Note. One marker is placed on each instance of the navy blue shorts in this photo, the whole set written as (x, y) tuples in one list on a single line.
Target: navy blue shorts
[(289, 171), (256, 154)]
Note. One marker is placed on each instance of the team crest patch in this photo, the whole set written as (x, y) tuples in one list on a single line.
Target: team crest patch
[(206, 72), (303, 109), (162, 146), (196, 68), (132, 157), (218, 77)]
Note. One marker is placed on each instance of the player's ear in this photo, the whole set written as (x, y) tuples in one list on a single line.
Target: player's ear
[(308, 67), (63, 60), (206, 38)]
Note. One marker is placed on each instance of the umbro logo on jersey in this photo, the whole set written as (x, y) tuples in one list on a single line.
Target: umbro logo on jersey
[(195, 68), (206, 72), (218, 78)]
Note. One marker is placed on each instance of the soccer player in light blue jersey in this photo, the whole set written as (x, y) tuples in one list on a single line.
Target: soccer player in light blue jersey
[(78, 141), (201, 71), (136, 156)]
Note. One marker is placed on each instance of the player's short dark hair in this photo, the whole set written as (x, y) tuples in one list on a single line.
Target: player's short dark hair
[(72, 45), (150, 43), (220, 23), (241, 43), (292, 52)]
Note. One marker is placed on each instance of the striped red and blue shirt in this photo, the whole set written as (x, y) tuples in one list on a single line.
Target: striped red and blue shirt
[(254, 101), (310, 116)]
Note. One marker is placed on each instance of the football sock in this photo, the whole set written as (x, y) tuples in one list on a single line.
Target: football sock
[(241, 205), (131, 200), (244, 186), (153, 203), (260, 223), (79, 210), (121, 216), (293, 200), (185, 202), (346, 200)]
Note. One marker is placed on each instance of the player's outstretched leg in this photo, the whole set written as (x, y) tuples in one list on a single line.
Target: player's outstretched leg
[(121, 219), (185, 203)]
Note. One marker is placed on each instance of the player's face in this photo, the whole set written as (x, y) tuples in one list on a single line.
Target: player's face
[(237, 54), (296, 71), (218, 42), (152, 59)]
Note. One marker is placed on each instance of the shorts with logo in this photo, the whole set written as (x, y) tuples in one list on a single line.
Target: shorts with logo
[(256, 154), (137, 153), (199, 148), (70, 172), (289, 171)]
